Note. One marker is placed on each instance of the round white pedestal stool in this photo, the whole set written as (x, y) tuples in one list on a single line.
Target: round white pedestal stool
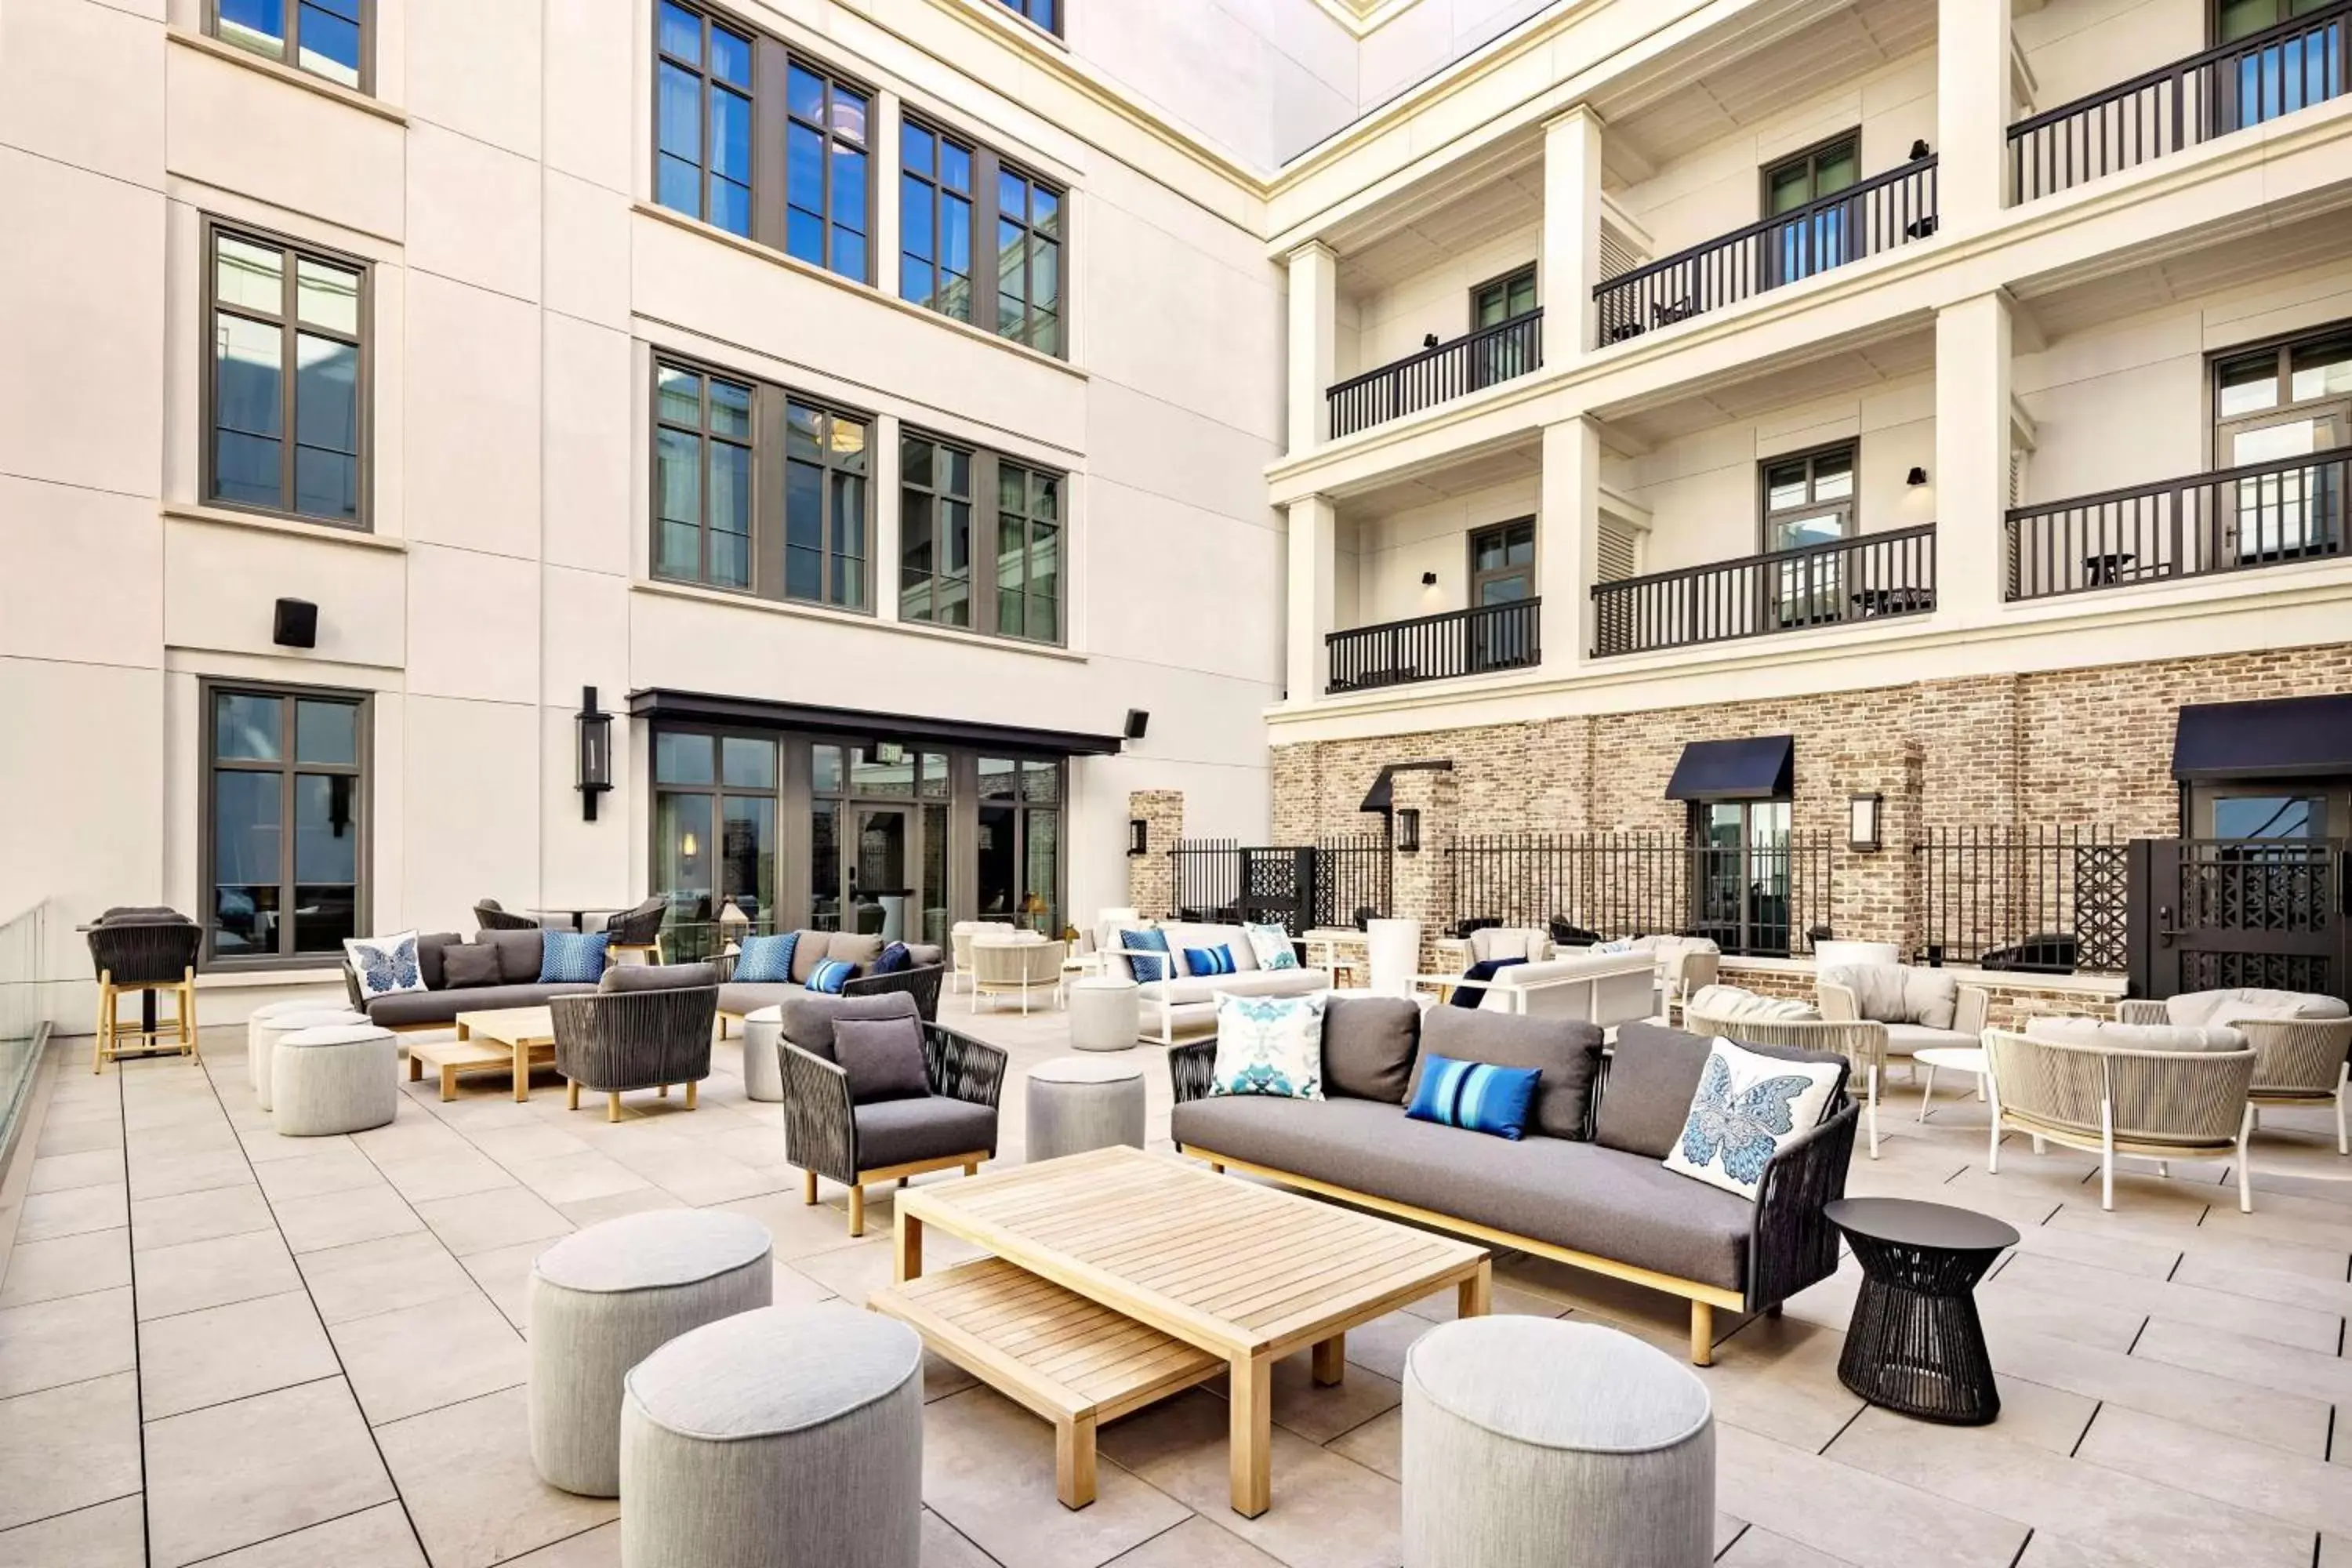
[(1078, 1103), (1104, 1014)]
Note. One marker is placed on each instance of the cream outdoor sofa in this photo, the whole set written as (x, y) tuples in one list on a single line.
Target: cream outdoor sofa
[(2157, 1092), (2302, 1042), (1606, 989), (1744, 1016), (1184, 1001), (1920, 1008)]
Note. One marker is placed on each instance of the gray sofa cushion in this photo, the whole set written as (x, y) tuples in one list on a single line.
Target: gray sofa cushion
[(1569, 1193), (1567, 1049), (900, 1132), (428, 956), (463, 964), (519, 953), (809, 1015), (1909, 1039), (657, 976), (412, 1009), (882, 1057), (1368, 1045)]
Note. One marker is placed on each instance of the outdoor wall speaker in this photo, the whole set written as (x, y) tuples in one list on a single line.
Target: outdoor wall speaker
[(1138, 720), (296, 624)]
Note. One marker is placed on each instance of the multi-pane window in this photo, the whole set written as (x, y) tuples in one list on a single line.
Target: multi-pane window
[(826, 219), (1019, 868), (284, 825), (1809, 498), (325, 37), (935, 196), (702, 113), (1047, 13), (702, 477), (935, 532), (285, 411), (1491, 304), (1028, 554), (1822, 239), (1028, 262), (826, 471), (2270, 407)]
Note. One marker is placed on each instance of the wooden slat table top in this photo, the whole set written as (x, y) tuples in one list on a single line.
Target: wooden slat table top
[(1212, 1259), (515, 1025), (476, 1052), (1049, 1347)]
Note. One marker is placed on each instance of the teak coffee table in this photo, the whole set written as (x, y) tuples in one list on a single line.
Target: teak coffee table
[(509, 1037), (1121, 1276)]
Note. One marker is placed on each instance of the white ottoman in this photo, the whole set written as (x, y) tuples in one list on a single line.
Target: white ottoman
[(266, 1035), (1105, 1014), (1395, 949), (763, 1075), (263, 1014), (1078, 1103), (1531, 1442), (339, 1077), (780, 1438), (602, 1300)]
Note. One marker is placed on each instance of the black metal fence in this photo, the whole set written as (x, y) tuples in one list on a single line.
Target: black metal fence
[(1297, 887), (1437, 648), (1868, 577), (1766, 898), (2047, 899), (1475, 359)]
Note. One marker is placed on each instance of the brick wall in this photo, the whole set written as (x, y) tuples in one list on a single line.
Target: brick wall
[(1151, 876)]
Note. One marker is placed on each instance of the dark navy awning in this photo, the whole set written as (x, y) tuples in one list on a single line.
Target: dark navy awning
[(1381, 796), (1757, 768), (2288, 737)]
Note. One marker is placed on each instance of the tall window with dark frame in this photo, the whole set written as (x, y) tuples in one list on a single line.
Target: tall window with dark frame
[(1028, 554), (327, 38), (1816, 243), (2288, 400), (1047, 13), (826, 466), (935, 508), (285, 822), (702, 477), (702, 118), (1807, 500), (826, 168), (286, 410), (935, 219), (1028, 262), (950, 188)]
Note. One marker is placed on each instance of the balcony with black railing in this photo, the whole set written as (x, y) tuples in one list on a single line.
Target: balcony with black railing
[(1865, 220), (2157, 113), (2234, 519), (1449, 370), (1481, 641), (1870, 578)]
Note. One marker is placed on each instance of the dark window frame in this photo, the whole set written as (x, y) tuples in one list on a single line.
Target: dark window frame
[(1026, 10), (702, 499), (940, 497), (834, 142), (2281, 347), (290, 328), (701, 72), (831, 472), (1505, 282), (1745, 925), (1478, 579), (989, 167), (361, 771), (1811, 156), (1030, 522), (2213, 10), (1848, 508), (938, 193), (988, 523), (291, 51)]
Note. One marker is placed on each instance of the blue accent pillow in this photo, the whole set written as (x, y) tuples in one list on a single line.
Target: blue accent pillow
[(830, 974), (572, 957), (1477, 1096), (1145, 970), (1209, 960), (766, 960), (892, 958)]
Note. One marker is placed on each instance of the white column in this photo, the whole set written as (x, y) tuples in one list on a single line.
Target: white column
[(882, 231), (1571, 232), (1568, 528), (882, 460), (1971, 112), (1971, 477), (1313, 342), (1314, 593)]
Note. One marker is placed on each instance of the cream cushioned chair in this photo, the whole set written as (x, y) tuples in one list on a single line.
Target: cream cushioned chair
[(2157, 1093)]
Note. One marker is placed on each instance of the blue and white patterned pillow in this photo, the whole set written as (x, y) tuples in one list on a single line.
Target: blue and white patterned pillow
[(830, 975), (1749, 1106), (1478, 1096), (1216, 960), (1145, 970), (1622, 944), (1270, 946), (1270, 1044), (386, 965), (766, 960), (572, 957)]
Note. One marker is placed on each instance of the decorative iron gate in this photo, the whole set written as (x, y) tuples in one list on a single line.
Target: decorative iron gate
[(2211, 914), (1296, 887)]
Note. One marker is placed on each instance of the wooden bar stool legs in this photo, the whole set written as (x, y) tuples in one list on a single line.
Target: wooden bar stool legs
[(109, 1044)]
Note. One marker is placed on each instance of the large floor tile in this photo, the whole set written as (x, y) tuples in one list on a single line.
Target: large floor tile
[(2169, 1301), (577, 1178), (1825, 1504), (198, 1216), (2310, 1493), (1195, 1543), (329, 1166), (339, 1219), (164, 1175), (66, 1266), (78, 1136), (512, 1146), (232, 1475), (67, 1448), (377, 1537), (1755, 1547), (220, 1353), (2244, 1359), (452, 1174), (200, 1273), (484, 1222), (504, 1276), (420, 1358), (1778, 1377), (73, 1211), (465, 1474), (56, 1173), (799, 1230), (988, 1470), (2296, 1423), (1319, 1414), (597, 1548), (71, 1340), (104, 1535), (1376, 1445), (382, 1276)]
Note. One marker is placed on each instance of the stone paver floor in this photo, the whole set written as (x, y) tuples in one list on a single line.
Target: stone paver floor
[(221, 1346)]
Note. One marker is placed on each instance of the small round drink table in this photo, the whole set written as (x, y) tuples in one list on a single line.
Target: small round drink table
[(1915, 1345)]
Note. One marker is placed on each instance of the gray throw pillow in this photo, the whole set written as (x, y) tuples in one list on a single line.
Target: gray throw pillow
[(657, 976), (1369, 1044), (1567, 1049), (519, 953), (883, 1059), (429, 957), (1654, 1073), (466, 964), (809, 1016)]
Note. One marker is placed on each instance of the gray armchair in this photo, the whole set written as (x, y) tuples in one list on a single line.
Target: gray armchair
[(921, 982), (615, 1041), (491, 915)]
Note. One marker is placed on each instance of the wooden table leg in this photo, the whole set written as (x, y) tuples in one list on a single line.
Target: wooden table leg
[(1330, 1361), (1074, 1461), (1250, 1440), (448, 1082), (416, 1068), (1474, 1296), (906, 1263), (521, 1071)]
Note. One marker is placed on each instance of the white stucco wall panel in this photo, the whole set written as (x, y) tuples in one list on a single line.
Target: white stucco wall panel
[(240, 127), (58, 57), (221, 583), (476, 68), (83, 575), (473, 212), (595, 503), (471, 799), (472, 405)]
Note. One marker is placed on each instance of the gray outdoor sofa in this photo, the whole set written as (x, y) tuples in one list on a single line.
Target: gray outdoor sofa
[(1584, 1187), (437, 1005), (921, 980)]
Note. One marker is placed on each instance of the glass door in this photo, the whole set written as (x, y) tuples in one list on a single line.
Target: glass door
[(1502, 571), (1740, 882), (1505, 355), (878, 872), (2288, 402), (2277, 78), (1808, 503), (1819, 239)]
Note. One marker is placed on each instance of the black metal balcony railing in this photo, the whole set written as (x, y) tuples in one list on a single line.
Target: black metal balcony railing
[(1870, 578), (2155, 114), (1436, 648), (1877, 215), (2263, 514), (1472, 361)]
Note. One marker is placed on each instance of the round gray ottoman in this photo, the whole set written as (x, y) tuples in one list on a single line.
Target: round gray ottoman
[(1530, 1442), (1105, 1014), (337, 1077), (763, 1075), (787, 1438), (602, 1300), (277, 1021), (1078, 1103)]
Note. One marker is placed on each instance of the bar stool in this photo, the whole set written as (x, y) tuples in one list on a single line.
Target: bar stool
[(143, 951)]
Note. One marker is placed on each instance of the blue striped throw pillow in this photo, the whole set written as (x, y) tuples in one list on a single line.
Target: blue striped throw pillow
[(1477, 1096), (766, 960), (571, 958), (831, 975), (1209, 960)]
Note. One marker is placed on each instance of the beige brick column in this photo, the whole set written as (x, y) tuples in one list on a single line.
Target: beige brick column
[(1422, 881), (1150, 877)]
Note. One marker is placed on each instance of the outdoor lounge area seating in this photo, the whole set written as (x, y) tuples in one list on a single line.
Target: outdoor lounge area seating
[(1603, 989), (1920, 1008), (511, 974), (2301, 1043), (1174, 1000), (920, 979), (1797, 1026), (647, 1026), (141, 952), (1002, 967)]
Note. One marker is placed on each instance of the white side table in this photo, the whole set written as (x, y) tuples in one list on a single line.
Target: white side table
[(1958, 1059), (1106, 1014)]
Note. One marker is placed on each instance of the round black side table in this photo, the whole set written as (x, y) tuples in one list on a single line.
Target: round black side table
[(1915, 1345)]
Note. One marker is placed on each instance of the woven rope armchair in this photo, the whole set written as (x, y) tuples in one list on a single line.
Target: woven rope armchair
[(922, 983), (820, 1123), (2297, 1062), (136, 950), (1861, 1042), (2110, 1100), (491, 915), (638, 930), (620, 1041), (1016, 968)]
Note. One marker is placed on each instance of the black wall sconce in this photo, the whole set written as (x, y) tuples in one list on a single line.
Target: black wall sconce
[(1916, 478), (1863, 829), (595, 753), (1139, 836), (1408, 831), (1918, 149), (1429, 579)]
